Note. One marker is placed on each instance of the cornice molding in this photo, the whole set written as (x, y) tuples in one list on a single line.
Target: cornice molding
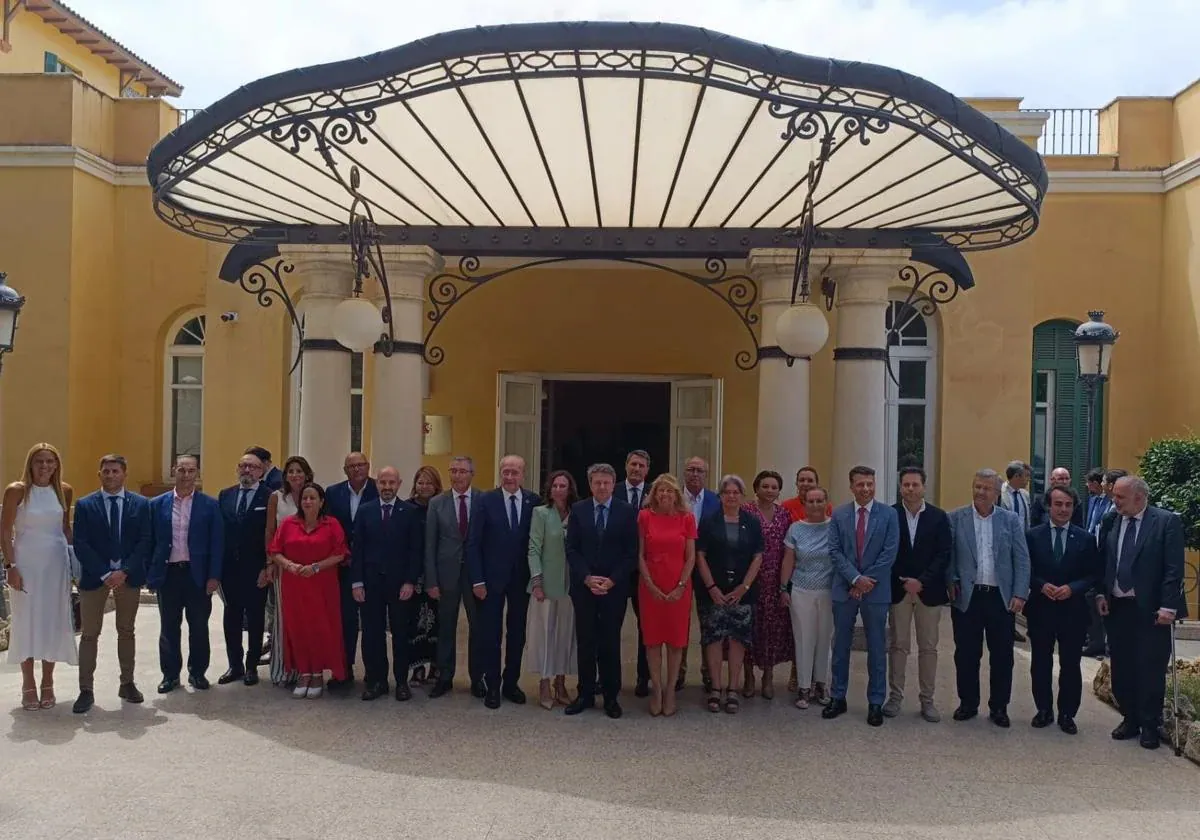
[(1148, 182), (1181, 173), (73, 157)]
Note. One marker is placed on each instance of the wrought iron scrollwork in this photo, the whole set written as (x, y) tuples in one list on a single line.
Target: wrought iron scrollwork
[(264, 280), (927, 292)]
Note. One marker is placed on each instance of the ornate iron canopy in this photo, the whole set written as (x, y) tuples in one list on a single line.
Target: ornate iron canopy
[(599, 139)]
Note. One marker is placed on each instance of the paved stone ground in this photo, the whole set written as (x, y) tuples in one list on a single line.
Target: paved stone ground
[(237, 761)]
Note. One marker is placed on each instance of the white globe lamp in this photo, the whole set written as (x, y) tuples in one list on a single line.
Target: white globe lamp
[(801, 330), (357, 324)]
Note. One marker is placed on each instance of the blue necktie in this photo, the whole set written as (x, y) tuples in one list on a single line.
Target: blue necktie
[(1016, 494), (600, 518), (243, 503), (114, 525), (1058, 544), (514, 518)]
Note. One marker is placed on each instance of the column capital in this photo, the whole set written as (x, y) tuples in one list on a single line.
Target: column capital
[(408, 267), (321, 270)]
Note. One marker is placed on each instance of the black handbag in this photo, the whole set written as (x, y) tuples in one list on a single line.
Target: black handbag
[(76, 612)]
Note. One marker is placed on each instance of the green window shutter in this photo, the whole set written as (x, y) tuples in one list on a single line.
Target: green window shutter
[(1054, 350), (51, 63)]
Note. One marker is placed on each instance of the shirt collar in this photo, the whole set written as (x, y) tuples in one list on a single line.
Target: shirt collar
[(908, 512), (354, 492), (600, 504), (980, 516), (253, 487), (866, 507), (637, 487), (693, 498), (513, 495), (464, 494), (186, 498), (120, 494)]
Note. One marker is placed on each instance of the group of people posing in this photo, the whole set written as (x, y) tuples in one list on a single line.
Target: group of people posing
[(548, 579)]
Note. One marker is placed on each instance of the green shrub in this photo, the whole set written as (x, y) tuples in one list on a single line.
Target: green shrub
[(1171, 466)]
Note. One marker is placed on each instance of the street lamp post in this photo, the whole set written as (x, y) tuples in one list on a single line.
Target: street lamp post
[(10, 307), (1094, 340)]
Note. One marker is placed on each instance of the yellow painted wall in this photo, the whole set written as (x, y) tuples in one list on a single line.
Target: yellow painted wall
[(1179, 330)]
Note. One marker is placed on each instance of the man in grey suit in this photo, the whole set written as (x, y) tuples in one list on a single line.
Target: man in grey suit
[(446, 578), (988, 584)]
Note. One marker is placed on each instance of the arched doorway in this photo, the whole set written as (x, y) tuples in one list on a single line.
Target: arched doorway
[(911, 395)]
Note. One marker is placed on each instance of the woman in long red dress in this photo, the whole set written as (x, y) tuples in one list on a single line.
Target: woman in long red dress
[(307, 548), (666, 555)]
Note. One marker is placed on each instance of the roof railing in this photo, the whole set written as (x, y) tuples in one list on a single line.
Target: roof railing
[(1069, 131)]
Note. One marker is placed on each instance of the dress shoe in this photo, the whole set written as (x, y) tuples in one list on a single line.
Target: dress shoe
[(875, 715), (930, 712), (836, 708), (251, 678), (1149, 739), (374, 692), (579, 705), (1125, 730), (478, 690), (231, 676), (403, 692), (963, 713), (492, 700), (1098, 652), (613, 709), (84, 703), (1042, 719), (892, 707), (1067, 725), (514, 694), (1000, 718), (168, 685), (129, 693), (441, 689), (642, 689), (198, 682)]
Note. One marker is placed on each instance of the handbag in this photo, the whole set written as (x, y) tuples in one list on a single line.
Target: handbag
[(76, 571)]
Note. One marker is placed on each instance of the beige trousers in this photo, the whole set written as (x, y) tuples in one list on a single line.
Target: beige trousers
[(91, 615), (812, 632), (910, 611)]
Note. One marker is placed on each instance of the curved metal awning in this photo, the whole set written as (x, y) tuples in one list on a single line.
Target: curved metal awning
[(596, 138)]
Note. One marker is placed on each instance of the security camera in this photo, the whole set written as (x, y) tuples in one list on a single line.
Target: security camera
[(229, 317)]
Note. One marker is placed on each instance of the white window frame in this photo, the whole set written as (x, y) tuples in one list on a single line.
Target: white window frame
[(927, 353), (171, 352), (1048, 405)]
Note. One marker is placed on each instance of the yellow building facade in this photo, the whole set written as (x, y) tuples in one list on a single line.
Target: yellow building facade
[(130, 341)]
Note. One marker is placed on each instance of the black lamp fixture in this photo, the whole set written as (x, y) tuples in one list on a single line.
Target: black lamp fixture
[(1094, 340), (11, 302)]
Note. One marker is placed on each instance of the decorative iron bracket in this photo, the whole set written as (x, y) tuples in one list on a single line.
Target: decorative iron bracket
[(925, 300), (264, 280)]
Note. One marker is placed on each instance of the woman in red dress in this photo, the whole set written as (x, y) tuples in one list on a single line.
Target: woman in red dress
[(666, 555), (307, 548)]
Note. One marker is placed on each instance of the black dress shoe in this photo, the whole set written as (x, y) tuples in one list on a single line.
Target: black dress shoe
[(198, 682), (612, 709), (478, 690), (875, 714), (167, 686), (374, 692), (492, 700), (514, 694), (231, 676), (251, 678), (403, 692), (1042, 719), (836, 708), (963, 713), (1067, 725), (130, 694), (1149, 739), (1000, 718), (579, 705), (440, 689), (84, 703), (1125, 730), (642, 689), (1099, 652)]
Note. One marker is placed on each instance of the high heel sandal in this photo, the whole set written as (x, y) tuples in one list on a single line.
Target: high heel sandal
[(670, 704), (768, 687), (561, 697), (27, 704), (731, 704), (545, 698), (301, 689), (714, 701), (656, 700), (748, 685), (48, 700)]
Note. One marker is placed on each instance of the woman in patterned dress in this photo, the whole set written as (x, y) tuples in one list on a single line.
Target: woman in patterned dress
[(423, 629), (773, 643)]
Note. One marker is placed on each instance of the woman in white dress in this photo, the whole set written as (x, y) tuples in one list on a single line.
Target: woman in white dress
[(283, 503), (34, 532)]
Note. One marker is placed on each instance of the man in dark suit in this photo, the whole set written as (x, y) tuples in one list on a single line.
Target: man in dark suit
[(1100, 519), (498, 563), (1064, 565), (272, 475), (702, 502), (633, 491), (244, 572), (918, 592), (1141, 596), (185, 571), (385, 563), (1039, 514), (343, 501), (112, 544), (602, 551)]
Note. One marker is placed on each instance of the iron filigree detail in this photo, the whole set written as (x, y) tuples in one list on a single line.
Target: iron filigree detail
[(265, 282), (927, 292)]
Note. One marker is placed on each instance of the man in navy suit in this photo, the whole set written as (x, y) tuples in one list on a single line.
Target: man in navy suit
[(633, 491), (1064, 564), (112, 544), (386, 558), (185, 570), (864, 536), (272, 475), (244, 571), (1039, 514), (703, 502), (602, 552), (498, 562), (343, 501)]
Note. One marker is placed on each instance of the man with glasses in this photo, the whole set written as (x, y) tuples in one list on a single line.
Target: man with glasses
[(703, 502), (343, 501)]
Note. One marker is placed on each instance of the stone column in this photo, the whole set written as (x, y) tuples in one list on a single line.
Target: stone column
[(327, 278), (398, 415), (783, 391), (860, 364)]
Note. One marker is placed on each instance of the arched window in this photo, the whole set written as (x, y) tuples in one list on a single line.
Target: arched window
[(183, 412), (1059, 408), (911, 414)]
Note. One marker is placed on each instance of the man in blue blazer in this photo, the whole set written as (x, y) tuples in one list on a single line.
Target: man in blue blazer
[(112, 544), (244, 571), (343, 501), (1064, 565), (272, 475), (498, 562), (185, 570), (386, 556), (864, 536)]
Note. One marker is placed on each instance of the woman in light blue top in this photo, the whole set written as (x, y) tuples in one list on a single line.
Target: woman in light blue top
[(807, 576)]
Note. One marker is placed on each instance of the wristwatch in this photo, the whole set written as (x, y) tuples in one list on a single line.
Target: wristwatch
[(316, 567), (783, 587)]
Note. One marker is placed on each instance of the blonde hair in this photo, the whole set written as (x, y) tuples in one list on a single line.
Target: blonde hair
[(667, 480), (55, 479), (434, 477)]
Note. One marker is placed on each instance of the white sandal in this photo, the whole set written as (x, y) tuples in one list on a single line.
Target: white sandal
[(301, 691)]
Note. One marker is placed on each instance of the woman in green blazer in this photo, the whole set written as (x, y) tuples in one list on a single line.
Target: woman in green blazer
[(551, 630)]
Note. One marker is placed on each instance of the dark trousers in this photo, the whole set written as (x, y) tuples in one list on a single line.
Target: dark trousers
[(245, 606), (643, 667), (598, 620), (1140, 651), (509, 627), (1097, 642), (382, 606), (447, 643), (349, 619), (986, 616), (180, 596), (1062, 623)]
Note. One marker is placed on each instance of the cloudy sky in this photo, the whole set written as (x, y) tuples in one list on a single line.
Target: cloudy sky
[(1055, 53)]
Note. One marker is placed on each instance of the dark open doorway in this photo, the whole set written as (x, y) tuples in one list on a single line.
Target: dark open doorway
[(588, 422)]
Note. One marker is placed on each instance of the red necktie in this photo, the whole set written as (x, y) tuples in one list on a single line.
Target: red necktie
[(860, 533), (462, 515)]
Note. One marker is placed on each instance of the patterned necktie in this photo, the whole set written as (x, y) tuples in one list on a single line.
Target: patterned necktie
[(462, 515), (860, 534), (514, 518), (1125, 560), (243, 503), (1058, 544)]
